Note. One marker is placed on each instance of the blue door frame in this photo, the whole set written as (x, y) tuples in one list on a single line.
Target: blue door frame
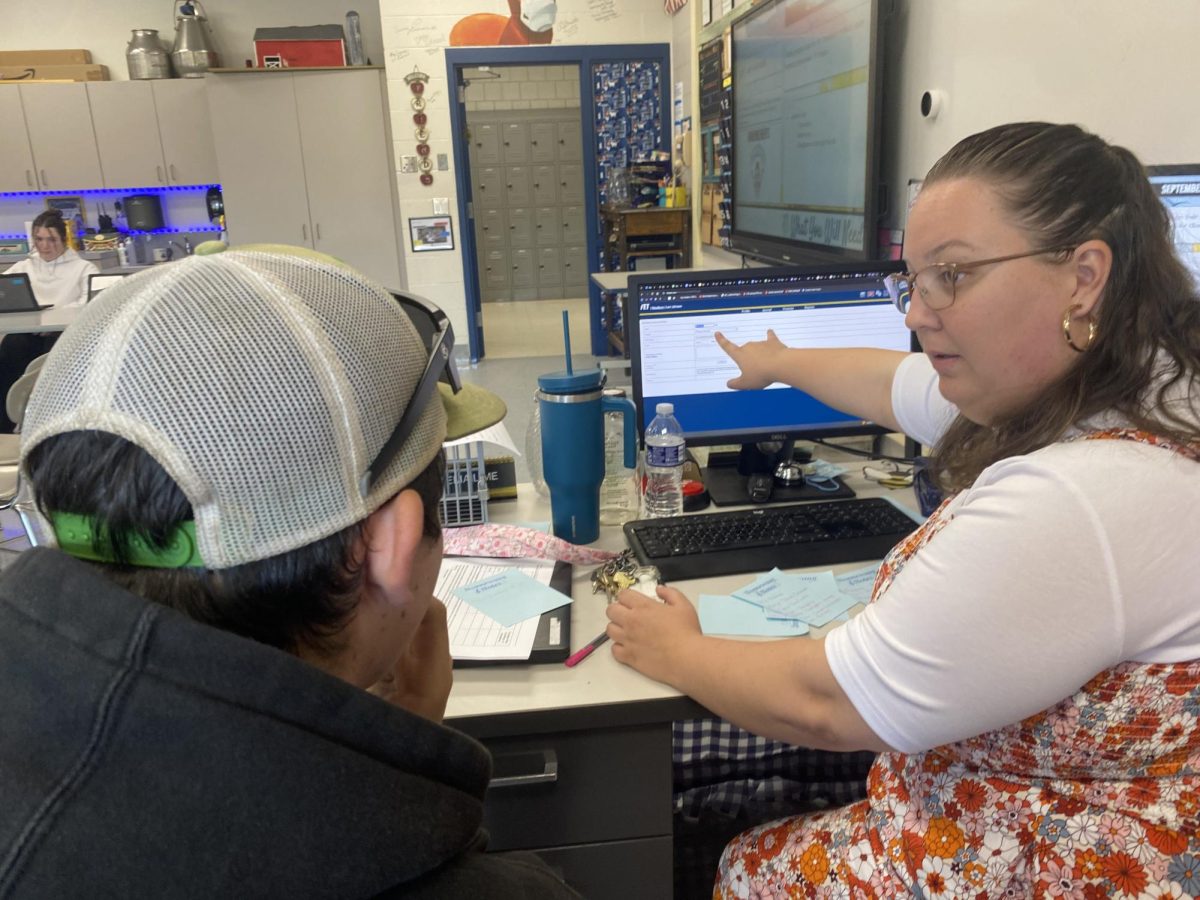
[(584, 56)]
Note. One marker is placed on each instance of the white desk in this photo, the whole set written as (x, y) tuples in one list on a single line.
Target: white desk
[(56, 318), (604, 816)]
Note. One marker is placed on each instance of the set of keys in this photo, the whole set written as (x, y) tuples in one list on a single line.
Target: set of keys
[(623, 572)]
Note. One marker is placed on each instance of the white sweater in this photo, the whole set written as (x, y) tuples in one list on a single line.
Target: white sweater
[(1057, 565), (63, 281)]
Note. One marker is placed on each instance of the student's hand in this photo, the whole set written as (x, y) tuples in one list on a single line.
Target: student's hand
[(421, 679), (758, 360), (651, 637)]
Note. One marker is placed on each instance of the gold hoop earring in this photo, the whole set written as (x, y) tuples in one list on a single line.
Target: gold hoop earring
[(1066, 326)]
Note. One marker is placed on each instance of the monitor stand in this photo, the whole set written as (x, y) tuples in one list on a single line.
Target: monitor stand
[(727, 475)]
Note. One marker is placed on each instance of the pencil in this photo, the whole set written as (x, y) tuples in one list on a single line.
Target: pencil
[(586, 650)]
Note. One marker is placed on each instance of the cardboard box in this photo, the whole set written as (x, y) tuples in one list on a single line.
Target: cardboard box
[(44, 58), (40, 72), (706, 197), (300, 45)]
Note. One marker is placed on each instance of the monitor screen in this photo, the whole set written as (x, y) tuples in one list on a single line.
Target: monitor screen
[(1179, 189), (675, 358), (806, 123)]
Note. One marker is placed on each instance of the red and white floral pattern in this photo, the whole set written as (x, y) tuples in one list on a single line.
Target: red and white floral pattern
[(1097, 797)]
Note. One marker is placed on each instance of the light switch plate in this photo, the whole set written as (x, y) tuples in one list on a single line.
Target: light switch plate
[(441, 206), (408, 164), (443, 162)]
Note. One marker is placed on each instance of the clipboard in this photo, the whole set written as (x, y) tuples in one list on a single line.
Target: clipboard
[(553, 641)]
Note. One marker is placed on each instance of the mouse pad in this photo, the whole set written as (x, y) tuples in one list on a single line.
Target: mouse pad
[(728, 488)]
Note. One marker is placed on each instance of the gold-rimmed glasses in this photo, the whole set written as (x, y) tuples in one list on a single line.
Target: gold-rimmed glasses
[(938, 283)]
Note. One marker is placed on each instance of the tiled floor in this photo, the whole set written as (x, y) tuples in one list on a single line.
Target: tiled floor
[(522, 328)]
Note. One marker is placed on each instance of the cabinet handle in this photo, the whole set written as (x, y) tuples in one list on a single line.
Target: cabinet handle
[(171, 168), (549, 774), (29, 177), (304, 230), (45, 180), (317, 228), (158, 170)]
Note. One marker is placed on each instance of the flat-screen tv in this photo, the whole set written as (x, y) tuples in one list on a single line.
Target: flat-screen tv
[(807, 120), (1179, 189)]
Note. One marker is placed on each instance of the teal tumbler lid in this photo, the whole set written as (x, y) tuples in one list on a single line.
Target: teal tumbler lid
[(571, 382)]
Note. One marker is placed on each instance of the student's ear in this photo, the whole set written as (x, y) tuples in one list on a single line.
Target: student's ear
[(393, 538), (1091, 266)]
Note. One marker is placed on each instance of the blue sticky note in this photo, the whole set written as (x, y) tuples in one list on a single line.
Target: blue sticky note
[(511, 597), (731, 616), (858, 583), (763, 589), (815, 599)]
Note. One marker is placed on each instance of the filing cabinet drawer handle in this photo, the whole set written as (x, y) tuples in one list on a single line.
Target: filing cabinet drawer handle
[(548, 775)]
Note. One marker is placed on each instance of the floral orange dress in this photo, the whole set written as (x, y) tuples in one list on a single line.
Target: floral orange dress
[(1096, 797)]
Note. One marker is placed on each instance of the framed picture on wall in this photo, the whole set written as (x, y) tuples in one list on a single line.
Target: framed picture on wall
[(431, 233), (72, 210)]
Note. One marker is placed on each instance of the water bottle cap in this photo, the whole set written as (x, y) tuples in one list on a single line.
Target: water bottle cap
[(571, 382), (665, 409)]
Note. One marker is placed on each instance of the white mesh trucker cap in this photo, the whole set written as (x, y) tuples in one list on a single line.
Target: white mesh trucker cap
[(265, 382)]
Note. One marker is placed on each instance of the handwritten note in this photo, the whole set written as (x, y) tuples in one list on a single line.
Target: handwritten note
[(511, 597)]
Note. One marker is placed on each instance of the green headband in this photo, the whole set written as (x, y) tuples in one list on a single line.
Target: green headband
[(74, 533)]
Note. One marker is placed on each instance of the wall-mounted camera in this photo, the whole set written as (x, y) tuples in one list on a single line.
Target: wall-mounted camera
[(931, 104)]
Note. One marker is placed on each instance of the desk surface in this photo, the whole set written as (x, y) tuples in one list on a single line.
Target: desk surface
[(551, 695), (56, 318)]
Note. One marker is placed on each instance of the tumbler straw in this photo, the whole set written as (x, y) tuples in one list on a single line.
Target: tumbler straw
[(567, 340)]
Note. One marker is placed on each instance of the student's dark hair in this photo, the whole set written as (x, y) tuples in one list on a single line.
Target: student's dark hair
[(52, 219), (1065, 186), (302, 598)]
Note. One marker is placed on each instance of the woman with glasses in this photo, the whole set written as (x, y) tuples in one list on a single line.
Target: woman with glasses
[(1029, 668)]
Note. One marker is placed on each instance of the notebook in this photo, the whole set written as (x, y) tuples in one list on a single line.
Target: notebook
[(16, 294), (552, 643)]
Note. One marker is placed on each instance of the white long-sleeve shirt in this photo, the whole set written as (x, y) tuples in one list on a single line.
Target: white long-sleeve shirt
[(63, 281), (1056, 565)]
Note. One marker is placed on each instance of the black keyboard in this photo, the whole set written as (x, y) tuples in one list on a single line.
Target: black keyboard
[(760, 539)]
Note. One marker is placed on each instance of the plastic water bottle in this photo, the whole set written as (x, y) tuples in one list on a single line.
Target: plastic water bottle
[(618, 500), (533, 449), (354, 45), (664, 464)]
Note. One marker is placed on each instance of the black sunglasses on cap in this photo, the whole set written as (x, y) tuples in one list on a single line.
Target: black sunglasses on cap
[(437, 335)]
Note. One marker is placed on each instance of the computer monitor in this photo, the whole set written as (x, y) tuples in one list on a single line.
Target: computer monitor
[(1179, 189), (98, 281), (674, 357)]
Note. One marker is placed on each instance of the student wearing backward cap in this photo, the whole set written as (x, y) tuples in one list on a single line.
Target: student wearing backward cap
[(229, 677)]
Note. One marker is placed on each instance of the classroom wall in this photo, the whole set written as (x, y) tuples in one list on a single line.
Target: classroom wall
[(416, 35), (104, 28)]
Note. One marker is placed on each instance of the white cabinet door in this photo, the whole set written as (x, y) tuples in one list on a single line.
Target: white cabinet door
[(61, 136), (348, 165), (186, 131), (16, 159), (127, 134), (257, 139)]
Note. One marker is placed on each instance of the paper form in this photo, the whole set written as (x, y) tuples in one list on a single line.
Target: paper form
[(474, 635)]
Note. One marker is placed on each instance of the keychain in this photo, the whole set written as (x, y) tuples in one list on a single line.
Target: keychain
[(620, 573)]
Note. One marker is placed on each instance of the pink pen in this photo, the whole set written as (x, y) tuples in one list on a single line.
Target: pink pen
[(586, 650)]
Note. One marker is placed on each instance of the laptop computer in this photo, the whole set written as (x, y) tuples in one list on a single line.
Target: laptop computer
[(98, 281), (16, 294)]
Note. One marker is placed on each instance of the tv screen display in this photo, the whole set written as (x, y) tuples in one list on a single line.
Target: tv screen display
[(806, 108), (1179, 189)]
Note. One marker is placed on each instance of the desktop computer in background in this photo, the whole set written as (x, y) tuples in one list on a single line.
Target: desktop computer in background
[(1179, 189), (674, 357)]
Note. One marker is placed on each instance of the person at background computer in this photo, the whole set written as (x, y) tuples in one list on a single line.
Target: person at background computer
[(1029, 668), (242, 554), (59, 277)]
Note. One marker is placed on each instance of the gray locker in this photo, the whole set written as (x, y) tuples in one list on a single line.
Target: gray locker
[(550, 266), (543, 141), (518, 186), (491, 229), (516, 143), (495, 270), (520, 227), (547, 226), (570, 141), (570, 180), (545, 185), (523, 268), (485, 144), (575, 271), (489, 186), (572, 225)]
